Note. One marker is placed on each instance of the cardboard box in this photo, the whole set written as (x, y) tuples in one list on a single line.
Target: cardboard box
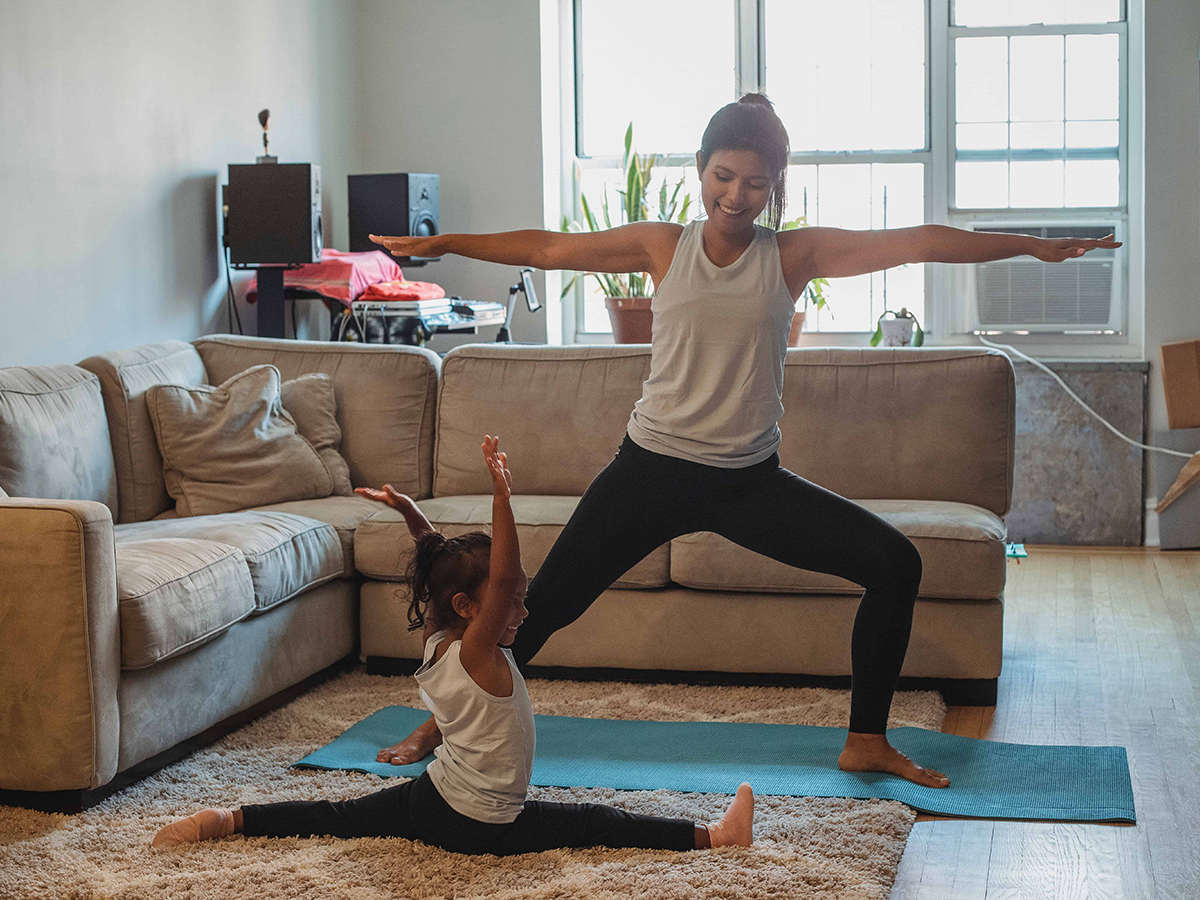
[(1181, 382), (1179, 523)]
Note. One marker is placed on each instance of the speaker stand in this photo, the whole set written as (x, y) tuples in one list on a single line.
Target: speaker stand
[(270, 301)]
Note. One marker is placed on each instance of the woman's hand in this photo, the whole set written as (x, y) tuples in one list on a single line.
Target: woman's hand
[(497, 464), (408, 246), (1049, 250)]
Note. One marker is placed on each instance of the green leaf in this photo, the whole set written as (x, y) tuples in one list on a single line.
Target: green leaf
[(877, 336), (587, 213), (628, 145), (919, 339), (570, 284)]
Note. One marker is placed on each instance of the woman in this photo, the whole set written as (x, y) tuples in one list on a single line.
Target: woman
[(701, 449)]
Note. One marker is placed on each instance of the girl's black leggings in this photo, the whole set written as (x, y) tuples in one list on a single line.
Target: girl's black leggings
[(643, 499), (415, 810)]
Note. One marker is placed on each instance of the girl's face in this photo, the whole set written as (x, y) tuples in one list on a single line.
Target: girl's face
[(734, 188), (518, 614)]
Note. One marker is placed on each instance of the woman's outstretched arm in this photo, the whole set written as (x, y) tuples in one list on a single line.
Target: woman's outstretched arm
[(638, 247), (838, 253)]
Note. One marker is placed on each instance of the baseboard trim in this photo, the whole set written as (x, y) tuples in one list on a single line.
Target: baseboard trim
[(955, 691), (75, 801)]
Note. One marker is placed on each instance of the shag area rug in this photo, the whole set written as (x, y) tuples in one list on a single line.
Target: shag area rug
[(804, 847)]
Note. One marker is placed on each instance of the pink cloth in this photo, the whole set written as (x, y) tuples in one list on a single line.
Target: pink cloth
[(396, 291), (339, 276)]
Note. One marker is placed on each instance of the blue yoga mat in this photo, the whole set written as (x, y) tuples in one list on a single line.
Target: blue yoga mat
[(988, 779)]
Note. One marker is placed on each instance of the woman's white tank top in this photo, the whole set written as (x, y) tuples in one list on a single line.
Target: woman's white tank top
[(714, 395), (483, 765)]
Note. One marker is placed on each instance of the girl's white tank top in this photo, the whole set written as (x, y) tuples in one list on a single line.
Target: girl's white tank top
[(714, 395), (483, 765)]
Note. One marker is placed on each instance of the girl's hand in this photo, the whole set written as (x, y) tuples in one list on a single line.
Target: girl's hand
[(407, 246), (389, 495), (497, 464), (1069, 248)]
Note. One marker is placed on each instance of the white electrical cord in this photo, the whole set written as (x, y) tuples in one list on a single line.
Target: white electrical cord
[(1075, 397)]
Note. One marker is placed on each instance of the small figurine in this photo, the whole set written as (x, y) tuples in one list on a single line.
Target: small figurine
[(263, 116)]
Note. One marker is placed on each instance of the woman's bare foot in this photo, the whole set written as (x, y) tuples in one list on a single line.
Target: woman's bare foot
[(873, 753), (736, 828), (413, 748), (202, 826)]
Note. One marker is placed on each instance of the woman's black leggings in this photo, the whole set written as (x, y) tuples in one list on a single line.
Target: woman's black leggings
[(415, 810), (643, 499)]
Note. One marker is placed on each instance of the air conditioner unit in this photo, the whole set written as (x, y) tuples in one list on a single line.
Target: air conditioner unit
[(1026, 294)]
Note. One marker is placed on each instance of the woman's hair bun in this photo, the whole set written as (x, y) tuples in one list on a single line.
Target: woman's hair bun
[(756, 99)]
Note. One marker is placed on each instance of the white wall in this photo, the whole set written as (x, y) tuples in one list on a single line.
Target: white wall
[(1172, 185), (115, 127), (455, 87), (116, 121)]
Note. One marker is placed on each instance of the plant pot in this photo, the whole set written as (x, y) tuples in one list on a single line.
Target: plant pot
[(797, 327), (631, 319), (897, 332)]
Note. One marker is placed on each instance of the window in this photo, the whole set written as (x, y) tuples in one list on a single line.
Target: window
[(1026, 126)]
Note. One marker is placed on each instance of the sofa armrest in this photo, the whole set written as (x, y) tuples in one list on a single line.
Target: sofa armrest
[(386, 396), (60, 645)]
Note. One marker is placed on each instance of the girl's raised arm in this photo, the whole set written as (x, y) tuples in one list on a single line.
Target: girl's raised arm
[(817, 252), (637, 247), (505, 575)]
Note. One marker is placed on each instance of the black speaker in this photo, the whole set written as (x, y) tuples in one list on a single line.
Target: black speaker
[(403, 204), (274, 214)]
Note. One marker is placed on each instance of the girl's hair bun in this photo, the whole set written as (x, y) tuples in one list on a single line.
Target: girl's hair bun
[(442, 567)]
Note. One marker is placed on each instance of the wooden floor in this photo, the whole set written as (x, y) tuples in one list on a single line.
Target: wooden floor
[(1100, 647)]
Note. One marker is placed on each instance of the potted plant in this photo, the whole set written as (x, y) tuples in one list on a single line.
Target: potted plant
[(901, 330), (627, 296)]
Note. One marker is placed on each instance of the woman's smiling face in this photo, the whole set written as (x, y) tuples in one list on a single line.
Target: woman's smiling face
[(734, 188)]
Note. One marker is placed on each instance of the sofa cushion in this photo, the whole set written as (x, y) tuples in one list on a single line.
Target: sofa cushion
[(383, 547), (233, 446), (561, 412), (286, 554), (311, 403), (54, 436), (343, 513), (124, 377), (386, 397), (940, 421), (962, 554), (176, 594)]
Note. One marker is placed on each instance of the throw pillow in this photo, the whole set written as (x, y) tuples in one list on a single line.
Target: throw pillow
[(310, 400), (233, 446)]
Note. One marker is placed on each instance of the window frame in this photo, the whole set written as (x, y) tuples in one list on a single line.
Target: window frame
[(945, 309)]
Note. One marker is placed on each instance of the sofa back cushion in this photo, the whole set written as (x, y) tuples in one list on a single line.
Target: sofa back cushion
[(560, 413), (311, 402), (54, 436), (903, 423), (125, 375), (233, 446), (385, 399), (898, 424)]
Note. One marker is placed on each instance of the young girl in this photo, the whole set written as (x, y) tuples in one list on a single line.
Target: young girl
[(701, 452), (469, 594)]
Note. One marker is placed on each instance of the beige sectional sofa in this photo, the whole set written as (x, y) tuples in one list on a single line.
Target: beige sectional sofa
[(132, 635)]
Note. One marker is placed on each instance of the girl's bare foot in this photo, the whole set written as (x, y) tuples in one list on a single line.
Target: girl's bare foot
[(873, 753), (413, 748), (736, 828), (202, 826)]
